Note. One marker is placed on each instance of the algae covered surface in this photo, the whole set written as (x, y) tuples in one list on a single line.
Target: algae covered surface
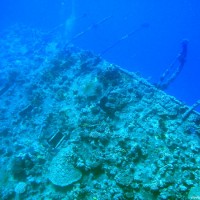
[(74, 126)]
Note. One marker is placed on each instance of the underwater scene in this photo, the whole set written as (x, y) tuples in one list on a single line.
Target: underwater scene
[(99, 100)]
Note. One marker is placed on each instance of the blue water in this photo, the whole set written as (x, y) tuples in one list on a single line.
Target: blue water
[(149, 51)]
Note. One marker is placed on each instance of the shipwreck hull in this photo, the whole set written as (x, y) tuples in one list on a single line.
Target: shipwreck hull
[(79, 127)]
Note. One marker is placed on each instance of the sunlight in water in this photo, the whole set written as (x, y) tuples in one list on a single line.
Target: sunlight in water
[(70, 19)]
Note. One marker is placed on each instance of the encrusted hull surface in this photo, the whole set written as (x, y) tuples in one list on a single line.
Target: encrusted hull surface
[(74, 126)]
